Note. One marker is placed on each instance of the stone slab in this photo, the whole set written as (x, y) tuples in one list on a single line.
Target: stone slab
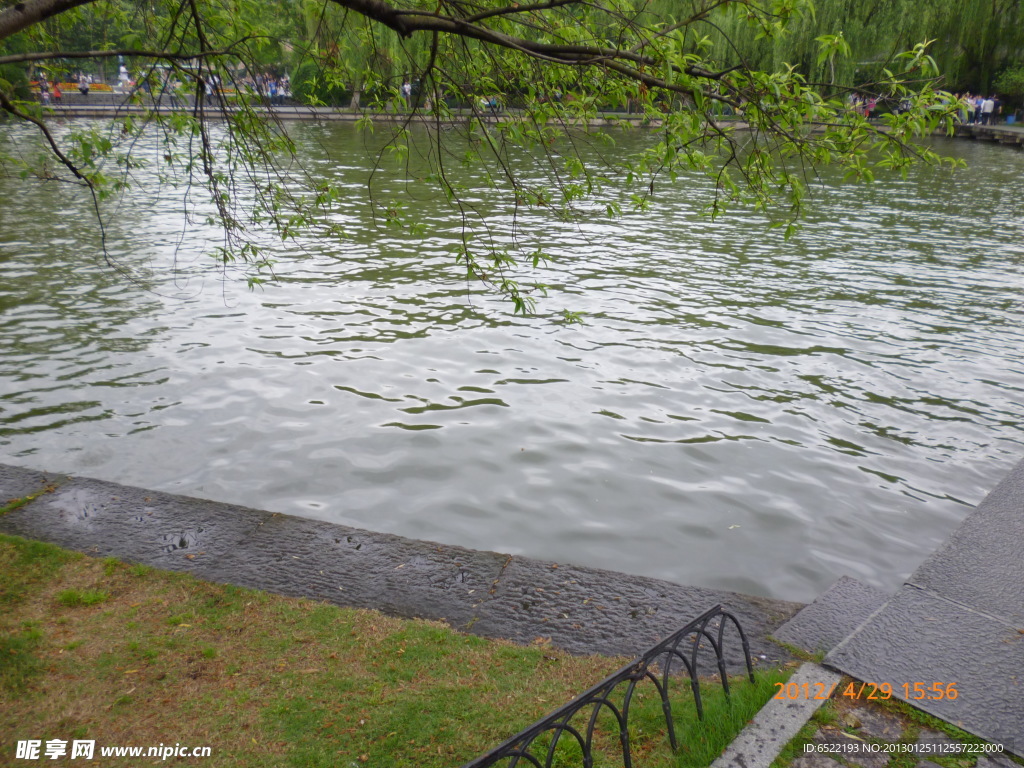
[(852, 748), (362, 569), (18, 482), (814, 760), (934, 738), (982, 563), (875, 723), (158, 529), (777, 724), (583, 610), (833, 615), (920, 637), (589, 610), (261, 550), (995, 761)]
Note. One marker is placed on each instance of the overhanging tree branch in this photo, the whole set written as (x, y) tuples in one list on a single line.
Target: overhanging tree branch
[(22, 15), (552, 63), (24, 58)]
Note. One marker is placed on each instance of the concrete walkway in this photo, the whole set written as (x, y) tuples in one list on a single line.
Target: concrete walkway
[(958, 619), (950, 641)]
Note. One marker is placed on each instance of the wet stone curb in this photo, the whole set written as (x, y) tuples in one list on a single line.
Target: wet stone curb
[(580, 609)]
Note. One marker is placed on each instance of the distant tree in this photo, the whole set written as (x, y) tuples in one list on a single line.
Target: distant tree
[(1010, 86)]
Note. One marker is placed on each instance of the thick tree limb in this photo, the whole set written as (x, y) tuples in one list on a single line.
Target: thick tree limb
[(403, 21), (24, 14), (20, 58)]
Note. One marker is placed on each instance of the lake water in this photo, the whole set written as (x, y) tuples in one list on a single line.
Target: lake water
[(737, 411)]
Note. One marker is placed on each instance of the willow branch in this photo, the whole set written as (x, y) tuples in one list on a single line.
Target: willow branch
[(10, 108)]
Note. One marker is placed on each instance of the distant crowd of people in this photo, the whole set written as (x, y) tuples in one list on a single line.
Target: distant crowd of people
[(977, 110), (864, 105), (51, 92), (166, 83), (275, 89), (980, 110)]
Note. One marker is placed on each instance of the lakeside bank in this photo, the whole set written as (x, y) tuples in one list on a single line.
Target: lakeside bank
[(957, 621), (111, 104), (580, 609)]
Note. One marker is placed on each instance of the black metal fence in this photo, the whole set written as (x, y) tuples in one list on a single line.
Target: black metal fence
[(681, 652)]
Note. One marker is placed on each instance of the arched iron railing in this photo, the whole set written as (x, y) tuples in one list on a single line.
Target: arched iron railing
[(660, 665)]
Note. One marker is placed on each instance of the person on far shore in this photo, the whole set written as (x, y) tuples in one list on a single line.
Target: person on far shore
[(83, 85), (986, 110)]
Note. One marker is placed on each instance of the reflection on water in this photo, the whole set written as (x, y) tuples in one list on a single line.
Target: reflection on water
[(738, 410)]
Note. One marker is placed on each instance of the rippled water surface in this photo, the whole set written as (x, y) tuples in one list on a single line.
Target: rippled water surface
[(738, 411)]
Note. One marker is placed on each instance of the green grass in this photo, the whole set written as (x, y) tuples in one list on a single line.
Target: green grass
[(18, 660), (701, 741), (27, 565), (126, 654), (73, 597)]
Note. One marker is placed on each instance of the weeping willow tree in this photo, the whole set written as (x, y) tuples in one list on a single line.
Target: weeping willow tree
[(972, 40), (975, 40), (549, 67), (338, 51)]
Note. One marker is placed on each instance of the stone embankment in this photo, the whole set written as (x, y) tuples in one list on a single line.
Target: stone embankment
[(583, 610)]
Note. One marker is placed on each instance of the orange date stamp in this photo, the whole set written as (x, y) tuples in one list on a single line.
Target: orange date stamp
[(933, 691)]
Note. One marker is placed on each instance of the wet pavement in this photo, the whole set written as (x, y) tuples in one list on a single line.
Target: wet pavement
[(950, 641), (957, 621)]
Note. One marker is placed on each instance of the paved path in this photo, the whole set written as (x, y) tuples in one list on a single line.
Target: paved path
[(1003, 133), (958, 619), (955, 627), (112, 104)]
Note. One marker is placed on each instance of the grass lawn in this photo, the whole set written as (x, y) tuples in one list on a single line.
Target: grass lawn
[(129, 656)]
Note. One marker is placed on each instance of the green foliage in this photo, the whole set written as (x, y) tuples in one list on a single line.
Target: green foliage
[(80, 597), (312, 84), (1010, 85), (14, 81)]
